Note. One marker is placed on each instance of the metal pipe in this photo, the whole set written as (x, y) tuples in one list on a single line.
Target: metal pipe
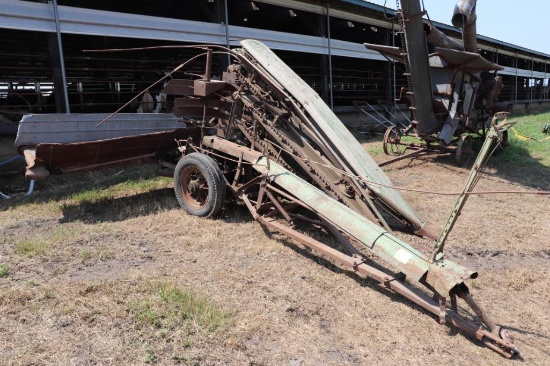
[(227, 30), (465, 17), (440, 39), (394, 78), (29, 192), (482, 314), (62, 59), (516, 80), (10, 160), (545, 90), (532, 81), (31, 188), (208, 71), (331, 94)]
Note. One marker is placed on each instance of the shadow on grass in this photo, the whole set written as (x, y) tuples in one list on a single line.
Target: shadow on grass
[(514, 163), (141, 204), (120, 209), (233, 212), (62, 187)]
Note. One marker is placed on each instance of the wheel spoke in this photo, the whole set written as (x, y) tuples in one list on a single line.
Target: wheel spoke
[(196, 187), (199, 185), (392, 141)]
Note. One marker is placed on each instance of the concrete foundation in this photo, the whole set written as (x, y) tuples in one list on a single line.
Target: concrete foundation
[(530, 107)]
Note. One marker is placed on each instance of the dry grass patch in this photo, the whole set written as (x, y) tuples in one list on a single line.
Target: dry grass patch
[(125, 322), (129, 278)]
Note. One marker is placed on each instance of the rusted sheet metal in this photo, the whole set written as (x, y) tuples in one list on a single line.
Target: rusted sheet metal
[(438, 38), (467, 61), (62, 143), (416, 66), (350, 151), (227, 147), (204, 88), (180, 87), (414, 264), (84, 156), (393, 53), (36, 129), (201, 107)]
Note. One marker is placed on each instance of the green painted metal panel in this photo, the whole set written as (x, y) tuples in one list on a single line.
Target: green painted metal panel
[(348, 147)]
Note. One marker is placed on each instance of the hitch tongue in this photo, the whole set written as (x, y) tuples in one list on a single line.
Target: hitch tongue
[(466, 296), (498, 337)]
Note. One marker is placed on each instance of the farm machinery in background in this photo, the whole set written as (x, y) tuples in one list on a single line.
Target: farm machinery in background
[(452, 91), (263, 136)]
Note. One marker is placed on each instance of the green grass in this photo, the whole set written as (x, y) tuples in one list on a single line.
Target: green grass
[(4, 272), (170, 308), (128, 187), (165, 313), (528, 144), (30, 248), (144, 185)]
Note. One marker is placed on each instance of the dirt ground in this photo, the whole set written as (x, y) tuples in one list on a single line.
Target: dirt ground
[(74, 269)]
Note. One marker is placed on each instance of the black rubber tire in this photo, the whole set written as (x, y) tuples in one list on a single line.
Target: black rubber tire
[(503, 143), (199, 185), (465, 151)]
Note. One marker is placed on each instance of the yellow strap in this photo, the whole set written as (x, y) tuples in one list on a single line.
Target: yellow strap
[(525, 137)]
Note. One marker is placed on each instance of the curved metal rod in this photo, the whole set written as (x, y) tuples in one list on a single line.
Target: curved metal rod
[(179, 67), (197, 46), (29, 192)]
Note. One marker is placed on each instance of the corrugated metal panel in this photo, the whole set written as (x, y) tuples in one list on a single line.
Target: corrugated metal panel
[(523, 73), (39, 17), (302, 43), (22, 15)]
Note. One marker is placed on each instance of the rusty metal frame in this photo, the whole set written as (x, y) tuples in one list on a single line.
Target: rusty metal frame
[(266, 207), (280, 117), (276, 196)]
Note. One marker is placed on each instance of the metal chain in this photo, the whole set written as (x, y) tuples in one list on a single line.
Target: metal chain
[(287, 147)]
